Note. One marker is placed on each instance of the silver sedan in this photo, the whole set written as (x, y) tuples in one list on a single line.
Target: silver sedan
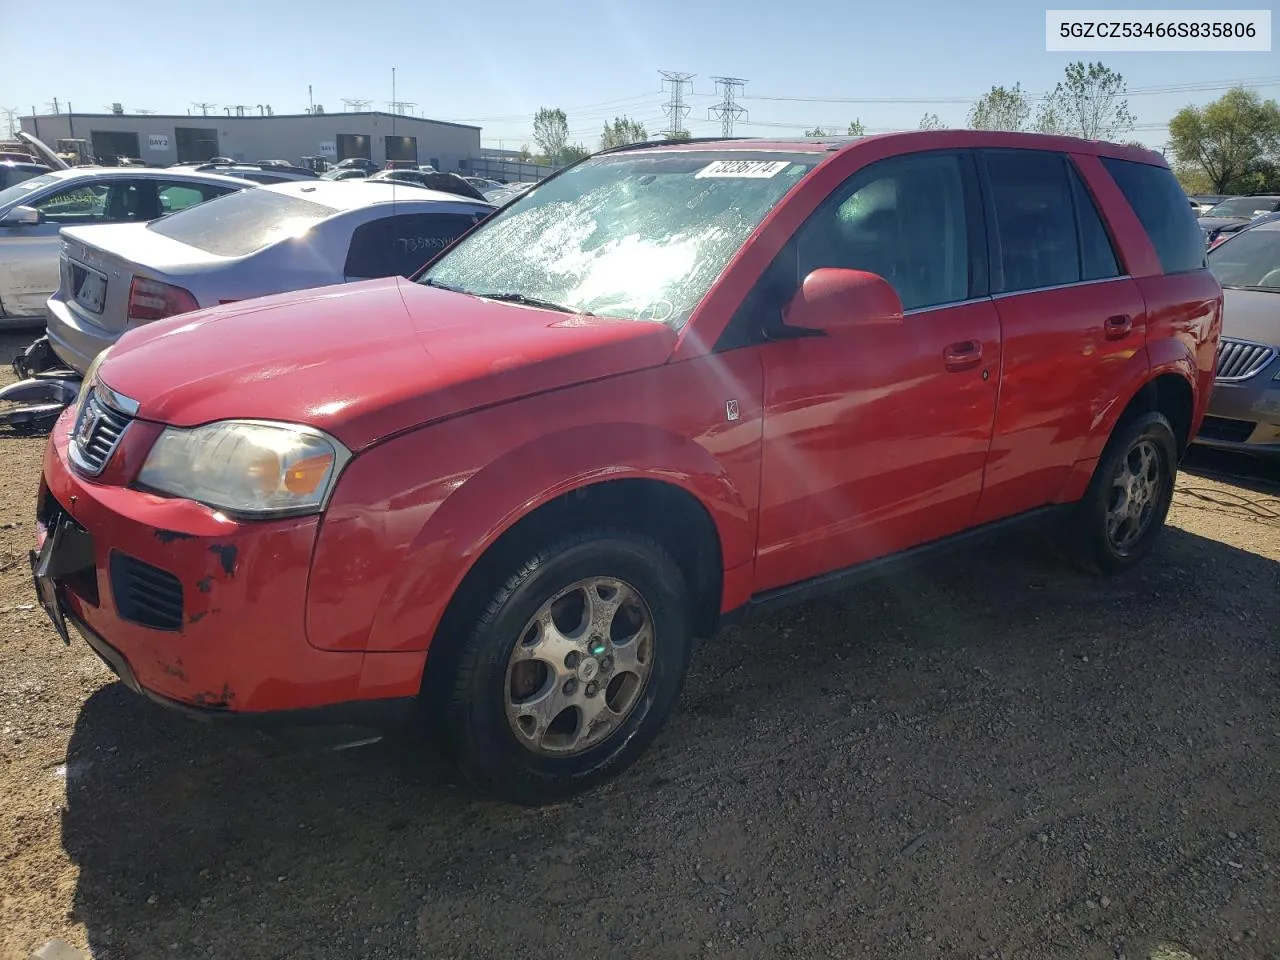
[(33, 211), (272, 239), (1244, 411)]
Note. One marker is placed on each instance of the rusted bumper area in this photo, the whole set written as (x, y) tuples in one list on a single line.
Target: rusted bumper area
[(199, 611)]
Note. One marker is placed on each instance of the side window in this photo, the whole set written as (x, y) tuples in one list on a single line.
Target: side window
[(401, 245), (179, 196), (902, 218), (1097, 256), (1161, 207), (80, 204), (1035, 222)]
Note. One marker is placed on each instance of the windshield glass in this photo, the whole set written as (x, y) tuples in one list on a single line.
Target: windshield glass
[(240, 223), (19, 191), (641, 236), (1243, 208), (1249, 259)]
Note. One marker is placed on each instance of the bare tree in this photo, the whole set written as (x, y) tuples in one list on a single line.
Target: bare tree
[(930, 121), (551, 132), (1001, 108), (1088, 103)]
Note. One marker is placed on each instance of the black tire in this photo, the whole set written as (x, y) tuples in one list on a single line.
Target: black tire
[(1087, 539), (479, 735)]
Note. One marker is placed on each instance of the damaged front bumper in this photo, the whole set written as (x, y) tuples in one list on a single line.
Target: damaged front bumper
[(198, 611)]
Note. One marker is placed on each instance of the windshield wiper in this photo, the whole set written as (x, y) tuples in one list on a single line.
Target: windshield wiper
[(443, 286), (529, 301)]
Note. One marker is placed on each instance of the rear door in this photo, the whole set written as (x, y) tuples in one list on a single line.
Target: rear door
[(1072, 323), (29, 274), (401, 245)]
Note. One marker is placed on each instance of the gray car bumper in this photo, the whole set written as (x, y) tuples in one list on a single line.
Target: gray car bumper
[(75, 342), (1245, 416)]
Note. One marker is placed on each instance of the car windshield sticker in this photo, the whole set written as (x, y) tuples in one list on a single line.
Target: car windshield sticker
[(752, 169)]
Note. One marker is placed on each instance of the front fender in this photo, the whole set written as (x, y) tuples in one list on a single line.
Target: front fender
[(392, 551)]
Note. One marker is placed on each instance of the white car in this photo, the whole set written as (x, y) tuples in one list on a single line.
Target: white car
[(34, 210), (268, 240)]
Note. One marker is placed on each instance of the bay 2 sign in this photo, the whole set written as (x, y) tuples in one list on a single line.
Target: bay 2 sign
[(157, 141)]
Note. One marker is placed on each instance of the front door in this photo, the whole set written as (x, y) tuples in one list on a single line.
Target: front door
[(875, 439)]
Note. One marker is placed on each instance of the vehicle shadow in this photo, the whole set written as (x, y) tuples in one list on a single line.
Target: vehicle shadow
[(872, 768), (1259, 474)]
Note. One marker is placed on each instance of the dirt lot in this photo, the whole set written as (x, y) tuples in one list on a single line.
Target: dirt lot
[(996, 757)]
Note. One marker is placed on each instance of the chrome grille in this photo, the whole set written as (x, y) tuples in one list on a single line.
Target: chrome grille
[(1240, 359), (96, 433)]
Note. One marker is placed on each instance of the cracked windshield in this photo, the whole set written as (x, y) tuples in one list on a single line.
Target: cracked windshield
[(639, 238), (664, 481)]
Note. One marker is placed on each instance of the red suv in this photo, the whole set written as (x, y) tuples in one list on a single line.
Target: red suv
[(669, 385)]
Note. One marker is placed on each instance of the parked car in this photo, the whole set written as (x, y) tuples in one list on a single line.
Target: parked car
[(445, 182), (674, 384), (358, 163), (1230, 215), (1244, 412), (400, 165), (13, 172), (269, 240), (271, 172), (483, 185), (34, 210), (1206, 202), (507, 192), (350, 173)]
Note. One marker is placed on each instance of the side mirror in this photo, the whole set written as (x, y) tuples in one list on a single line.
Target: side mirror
[(21, 217), (833, 299)]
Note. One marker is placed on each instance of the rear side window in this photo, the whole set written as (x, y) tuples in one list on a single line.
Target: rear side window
[(1035, 220), (1162, 208), (243, 222), (1097, 256), (401, 245)]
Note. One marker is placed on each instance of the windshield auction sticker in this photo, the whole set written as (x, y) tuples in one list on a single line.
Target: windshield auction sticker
[(750, 169)]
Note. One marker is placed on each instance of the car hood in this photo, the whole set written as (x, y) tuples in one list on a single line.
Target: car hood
[(1209, 224), (364, 361), (1251, 315)]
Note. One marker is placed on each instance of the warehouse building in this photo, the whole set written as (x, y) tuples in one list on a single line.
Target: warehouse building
[(159, 140)]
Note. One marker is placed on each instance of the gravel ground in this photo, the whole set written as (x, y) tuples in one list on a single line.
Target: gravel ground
[(993, 757)]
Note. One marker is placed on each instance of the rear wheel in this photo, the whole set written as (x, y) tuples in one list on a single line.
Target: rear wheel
[(1124, 509), (572, 669)]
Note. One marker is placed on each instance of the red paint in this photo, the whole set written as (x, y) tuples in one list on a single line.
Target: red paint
[(466, 415)]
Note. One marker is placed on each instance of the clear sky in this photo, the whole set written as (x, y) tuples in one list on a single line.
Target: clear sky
[(495, 63)]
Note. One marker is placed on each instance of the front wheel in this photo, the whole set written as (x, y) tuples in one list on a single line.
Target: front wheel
[(1124, 509), (573, 667)]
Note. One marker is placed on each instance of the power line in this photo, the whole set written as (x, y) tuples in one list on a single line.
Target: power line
[(728, 110), (675, 109), (356, 106)]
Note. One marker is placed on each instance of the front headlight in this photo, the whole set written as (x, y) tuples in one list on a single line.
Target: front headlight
[(89, 376), (249, 468)]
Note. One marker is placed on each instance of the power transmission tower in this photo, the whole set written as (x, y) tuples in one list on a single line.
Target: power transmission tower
[(727, 111), (675, 108), (9, 114), (356, 106), (401, 106), (204, 108)]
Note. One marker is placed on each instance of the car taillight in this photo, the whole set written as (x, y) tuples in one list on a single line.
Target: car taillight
[(153, 300), (1218, 240)]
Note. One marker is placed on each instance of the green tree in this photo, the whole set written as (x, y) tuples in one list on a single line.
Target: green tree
[(816, 132), (1229, 140), (678, 135), (857, 129), (1001, 108), (930, 121), (524, 155), (1089, 102), (551, 132), (621, 132), (573, 152)]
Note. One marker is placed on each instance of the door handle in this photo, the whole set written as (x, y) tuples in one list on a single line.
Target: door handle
[(963, 356), (1118, 327)]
